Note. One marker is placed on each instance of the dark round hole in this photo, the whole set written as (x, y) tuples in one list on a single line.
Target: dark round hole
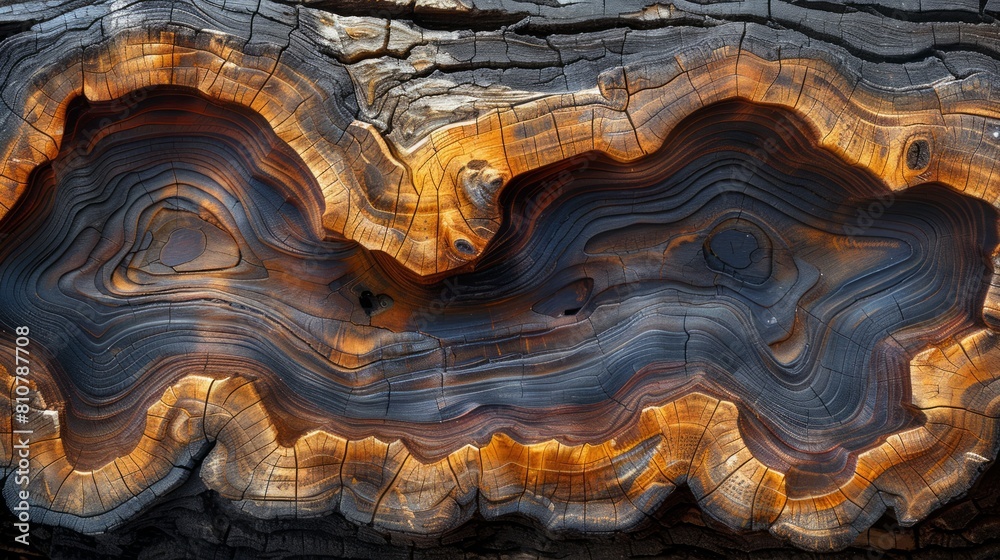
[(463, 246), (918, 155), (367, 301)]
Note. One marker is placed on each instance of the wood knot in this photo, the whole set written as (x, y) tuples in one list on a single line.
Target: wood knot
[(463, 246), (614, 87), (373, 304), (918, 155), (480, 183)]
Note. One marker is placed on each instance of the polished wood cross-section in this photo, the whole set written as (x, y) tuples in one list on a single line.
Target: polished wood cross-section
[(736, 263)]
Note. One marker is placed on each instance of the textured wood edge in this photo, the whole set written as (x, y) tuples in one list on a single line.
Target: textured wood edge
[(428, 200), (223, 424)]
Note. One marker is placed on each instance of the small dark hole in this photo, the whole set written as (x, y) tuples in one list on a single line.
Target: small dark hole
[(571, 311), (463, 246), (918, 155), (367, 301)]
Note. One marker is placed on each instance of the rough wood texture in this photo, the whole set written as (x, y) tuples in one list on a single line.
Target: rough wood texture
[(419, 264), (193, 523)]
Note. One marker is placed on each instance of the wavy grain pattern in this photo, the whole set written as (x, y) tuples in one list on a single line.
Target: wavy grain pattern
[(750, 271)]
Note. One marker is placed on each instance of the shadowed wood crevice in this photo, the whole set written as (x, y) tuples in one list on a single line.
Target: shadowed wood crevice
[(430, 274)]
